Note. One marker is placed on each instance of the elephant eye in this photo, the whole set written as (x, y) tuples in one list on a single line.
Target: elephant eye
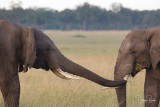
[(133, 52), (48, 49)]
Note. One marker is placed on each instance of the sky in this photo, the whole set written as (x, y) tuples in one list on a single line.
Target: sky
[(72, 4)]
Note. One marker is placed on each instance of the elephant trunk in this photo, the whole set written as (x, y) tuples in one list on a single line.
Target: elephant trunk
[(73, 68), (121, 91), (124, 66)]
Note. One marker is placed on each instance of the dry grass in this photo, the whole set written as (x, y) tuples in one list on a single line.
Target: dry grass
[(97, 52)]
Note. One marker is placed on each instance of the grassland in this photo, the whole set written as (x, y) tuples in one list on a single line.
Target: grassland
[(95, 50)]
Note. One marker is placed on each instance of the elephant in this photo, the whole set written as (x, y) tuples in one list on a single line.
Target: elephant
[(140, 50), (23, 47)]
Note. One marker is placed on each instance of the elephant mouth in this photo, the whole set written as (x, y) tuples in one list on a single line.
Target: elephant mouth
[(137, 68)]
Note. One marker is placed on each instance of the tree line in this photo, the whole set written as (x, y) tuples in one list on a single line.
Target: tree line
[(84, 17)]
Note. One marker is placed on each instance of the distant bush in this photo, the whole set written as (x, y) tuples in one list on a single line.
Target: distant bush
[(79, 36), (83, 17)]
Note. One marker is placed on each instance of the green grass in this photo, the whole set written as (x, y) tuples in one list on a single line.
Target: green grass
[(95, 50), (93, 43)]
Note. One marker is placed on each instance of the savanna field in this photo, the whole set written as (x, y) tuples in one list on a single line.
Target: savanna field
[(95, 50)]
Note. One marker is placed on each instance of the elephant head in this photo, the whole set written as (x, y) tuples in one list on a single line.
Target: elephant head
[(41, 52), (139, 50)]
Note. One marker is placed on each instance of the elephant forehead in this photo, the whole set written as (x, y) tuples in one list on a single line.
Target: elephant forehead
[(126, 45)]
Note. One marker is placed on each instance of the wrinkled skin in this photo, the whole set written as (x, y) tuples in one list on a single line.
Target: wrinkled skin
[(140, 50), (22, 47)]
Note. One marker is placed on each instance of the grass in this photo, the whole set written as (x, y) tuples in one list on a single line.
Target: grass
[(94, 43), (95, 50)]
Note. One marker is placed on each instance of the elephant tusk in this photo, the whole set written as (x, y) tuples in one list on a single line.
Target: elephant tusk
[(63, 75), (126, 77), (105, 88)]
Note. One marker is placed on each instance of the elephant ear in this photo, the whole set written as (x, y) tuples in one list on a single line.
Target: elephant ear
[(28, 47), (153, 36)]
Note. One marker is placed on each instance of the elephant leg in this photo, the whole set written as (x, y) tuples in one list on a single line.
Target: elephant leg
[(151, 92), (10, 89)]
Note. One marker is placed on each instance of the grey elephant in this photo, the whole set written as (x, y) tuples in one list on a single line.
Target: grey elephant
[(140, 50), (23, 47)]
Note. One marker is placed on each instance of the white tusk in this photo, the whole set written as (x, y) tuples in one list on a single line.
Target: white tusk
[(126, 77), (105, 88), (63, 75)]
